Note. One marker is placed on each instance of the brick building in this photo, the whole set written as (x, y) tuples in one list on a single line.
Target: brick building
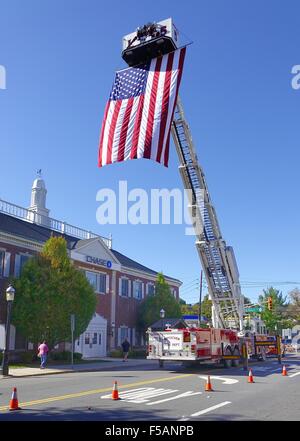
[(120, 282)]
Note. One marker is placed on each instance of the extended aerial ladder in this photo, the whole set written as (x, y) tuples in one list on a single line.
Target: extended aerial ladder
[(217, 259)]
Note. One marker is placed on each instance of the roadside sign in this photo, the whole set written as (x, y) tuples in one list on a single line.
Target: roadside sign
[(255, 309)]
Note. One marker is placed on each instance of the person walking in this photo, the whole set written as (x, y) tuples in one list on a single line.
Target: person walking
[(125, 347), (43, 353)]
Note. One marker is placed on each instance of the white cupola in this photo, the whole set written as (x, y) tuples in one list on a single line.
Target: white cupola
[(38, 200)]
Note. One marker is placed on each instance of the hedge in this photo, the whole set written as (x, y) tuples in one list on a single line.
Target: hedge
[(65, 356), (134, 353)]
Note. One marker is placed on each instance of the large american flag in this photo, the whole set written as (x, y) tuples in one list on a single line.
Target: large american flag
[(138, 115)]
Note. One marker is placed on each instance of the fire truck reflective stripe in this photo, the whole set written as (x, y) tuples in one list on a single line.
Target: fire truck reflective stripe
[(265, 343), (209, 409), (185, 394), (223, 379), (231, 357)]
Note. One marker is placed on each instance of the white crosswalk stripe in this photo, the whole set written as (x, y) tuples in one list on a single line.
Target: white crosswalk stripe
[(204, 411), (294, 375), (183, 395), (142, 395), (145, 394)]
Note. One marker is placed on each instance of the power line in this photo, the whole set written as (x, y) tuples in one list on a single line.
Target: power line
[(189, 285)]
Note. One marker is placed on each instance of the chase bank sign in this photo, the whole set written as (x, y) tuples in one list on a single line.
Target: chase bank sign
[(98, 261)]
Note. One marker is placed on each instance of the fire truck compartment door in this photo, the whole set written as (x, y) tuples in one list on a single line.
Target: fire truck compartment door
[(173, 341), (203, 343)]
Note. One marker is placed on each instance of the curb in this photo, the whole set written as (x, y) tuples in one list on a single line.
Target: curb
[(72, 371)]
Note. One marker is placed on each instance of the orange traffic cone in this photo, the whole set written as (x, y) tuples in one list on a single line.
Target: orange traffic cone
[(13, 404), (250, 377), (115, 393), (284, 371), (208, 387)]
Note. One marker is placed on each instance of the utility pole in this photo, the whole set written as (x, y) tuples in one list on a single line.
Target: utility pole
[(72, 317), (200, 298)]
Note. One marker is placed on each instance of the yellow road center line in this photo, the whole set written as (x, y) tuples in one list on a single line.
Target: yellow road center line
[(95, 391)]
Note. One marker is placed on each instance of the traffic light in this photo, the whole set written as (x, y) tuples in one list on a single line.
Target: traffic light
[(270, 303)]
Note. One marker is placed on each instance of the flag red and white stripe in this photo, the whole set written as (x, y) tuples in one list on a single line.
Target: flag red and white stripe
[(138, 116)]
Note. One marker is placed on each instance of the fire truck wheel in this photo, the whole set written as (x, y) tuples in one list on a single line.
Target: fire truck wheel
[(235, 363)]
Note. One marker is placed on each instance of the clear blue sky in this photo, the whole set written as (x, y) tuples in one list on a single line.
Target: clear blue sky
[(60, 59)]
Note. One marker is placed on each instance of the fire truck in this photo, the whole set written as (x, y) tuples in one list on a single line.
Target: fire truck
[(206, 345), (222, 342)]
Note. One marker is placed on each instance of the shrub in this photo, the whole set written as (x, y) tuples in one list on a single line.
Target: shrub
[(65, 356), (28, 357), (77, 356), (61, 356), (137, 353), (116, 353), (134, 353)]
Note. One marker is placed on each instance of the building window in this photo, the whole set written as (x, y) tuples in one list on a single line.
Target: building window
[(102, 282), (123, 334), (125, 287), (2, 257), (151, 289), (95, 338), (87, 338), (137, 338), (138, 290), (92, 278), (24, 260), (98, 281), (20, 261)]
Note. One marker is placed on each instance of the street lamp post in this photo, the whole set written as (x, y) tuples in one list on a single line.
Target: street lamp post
[(162, 316), (10, 295)]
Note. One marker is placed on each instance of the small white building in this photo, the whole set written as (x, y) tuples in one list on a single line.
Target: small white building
[(92, 343), (256, 324), (292, 336)]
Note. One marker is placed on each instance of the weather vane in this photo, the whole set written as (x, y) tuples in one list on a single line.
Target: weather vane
[(39, 172)]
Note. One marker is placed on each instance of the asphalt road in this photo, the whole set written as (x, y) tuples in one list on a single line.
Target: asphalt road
[(173, 393)]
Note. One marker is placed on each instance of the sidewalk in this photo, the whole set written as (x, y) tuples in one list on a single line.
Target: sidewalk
[(100, 364)]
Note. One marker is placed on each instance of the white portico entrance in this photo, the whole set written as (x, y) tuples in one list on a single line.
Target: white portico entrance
[(92, 343)]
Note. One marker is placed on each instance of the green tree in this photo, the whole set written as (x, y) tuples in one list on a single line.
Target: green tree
[(189, 309), (247, 301), (292, 311), (275, 319), (49, 290), (206, 307), (149, 310)]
